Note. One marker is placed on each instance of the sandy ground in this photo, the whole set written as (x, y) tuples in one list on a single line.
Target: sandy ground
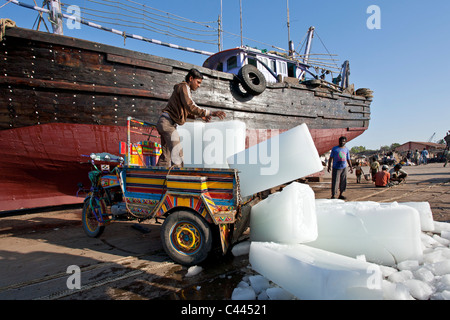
[(37, 250)]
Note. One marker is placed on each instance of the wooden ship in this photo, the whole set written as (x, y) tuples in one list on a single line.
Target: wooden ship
[(63, 97)]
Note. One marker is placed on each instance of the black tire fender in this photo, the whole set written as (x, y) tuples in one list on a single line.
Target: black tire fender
[(252, 79)]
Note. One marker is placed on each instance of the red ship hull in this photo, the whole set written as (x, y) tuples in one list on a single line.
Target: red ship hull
[(47, 174)]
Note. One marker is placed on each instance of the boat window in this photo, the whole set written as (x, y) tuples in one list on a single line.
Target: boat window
[(264, 60), (231, 63), (252, 61), (273, 65), (291, 70), (281, 67), (219, 66)]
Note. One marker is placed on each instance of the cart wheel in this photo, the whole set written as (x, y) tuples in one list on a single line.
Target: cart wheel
[(91, 226), (186, 237)]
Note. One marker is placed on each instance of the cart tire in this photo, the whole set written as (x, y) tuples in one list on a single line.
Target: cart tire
[(186, 237), (252, 79), (90, 224)]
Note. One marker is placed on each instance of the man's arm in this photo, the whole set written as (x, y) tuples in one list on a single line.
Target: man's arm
[(349, 161), (190, 105)]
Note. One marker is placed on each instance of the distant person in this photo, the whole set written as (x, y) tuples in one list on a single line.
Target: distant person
[(340, 158), (374, 167), (417, 157), (358, 171), (382, 177), (424, 155), (446, 156), (398, 174)]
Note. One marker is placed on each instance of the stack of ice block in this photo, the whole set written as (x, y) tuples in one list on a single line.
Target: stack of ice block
[(208, 145), (425, 214), (385, 233), (311, 273), (283, 158), (285, 217)]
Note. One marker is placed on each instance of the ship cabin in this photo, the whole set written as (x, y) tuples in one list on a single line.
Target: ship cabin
[(273, 65)]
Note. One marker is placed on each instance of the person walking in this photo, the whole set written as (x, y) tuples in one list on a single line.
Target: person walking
[(358, 171), (180, 107), (340, 159)]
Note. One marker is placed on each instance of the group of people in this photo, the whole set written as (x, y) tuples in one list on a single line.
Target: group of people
[(339, 161), (385, 178), (417, 157)]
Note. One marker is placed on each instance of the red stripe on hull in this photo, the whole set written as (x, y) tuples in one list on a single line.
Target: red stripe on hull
[(42, 165)]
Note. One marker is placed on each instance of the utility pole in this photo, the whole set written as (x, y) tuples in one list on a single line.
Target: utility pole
[(56, 16)]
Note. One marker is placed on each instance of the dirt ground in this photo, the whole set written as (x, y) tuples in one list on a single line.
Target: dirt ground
[(429, 182), (38, 250)]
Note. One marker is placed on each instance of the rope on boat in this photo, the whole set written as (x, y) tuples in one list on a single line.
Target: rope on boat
[(5, 23), (115, 31)]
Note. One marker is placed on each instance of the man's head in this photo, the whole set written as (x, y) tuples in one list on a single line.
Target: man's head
[(194, 79), (342, 141), (384, 167)]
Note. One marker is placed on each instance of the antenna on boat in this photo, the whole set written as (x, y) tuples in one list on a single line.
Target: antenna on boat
[(290, 43), (240, 13), (220, 25)]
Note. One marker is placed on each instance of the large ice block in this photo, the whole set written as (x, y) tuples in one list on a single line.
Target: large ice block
[(288, 216), (283, 158), (208, 145), (310, 273), (425, 214), (191, 136), (386, 233)]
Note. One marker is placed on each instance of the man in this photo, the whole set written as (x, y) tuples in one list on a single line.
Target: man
[(339, 157), (398, 174), (180, 107), (382, 177), (424, 155)]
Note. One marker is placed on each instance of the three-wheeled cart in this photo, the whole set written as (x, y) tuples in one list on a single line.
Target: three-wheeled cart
[(201, 207)]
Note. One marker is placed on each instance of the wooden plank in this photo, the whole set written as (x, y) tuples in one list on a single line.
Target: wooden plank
[(61, 85), (138, 63)]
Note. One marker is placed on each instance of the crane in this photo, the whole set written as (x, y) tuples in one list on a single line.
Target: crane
[(432, 136)]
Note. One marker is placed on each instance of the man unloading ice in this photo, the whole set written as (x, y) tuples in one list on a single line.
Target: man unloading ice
[(178, 109), (340, 157)]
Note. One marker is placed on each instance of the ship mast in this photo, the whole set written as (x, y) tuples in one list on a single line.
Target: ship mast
[(290, 43), (310, 36)]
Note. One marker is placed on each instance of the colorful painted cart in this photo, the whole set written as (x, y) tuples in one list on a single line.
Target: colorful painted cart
[(202, 208)]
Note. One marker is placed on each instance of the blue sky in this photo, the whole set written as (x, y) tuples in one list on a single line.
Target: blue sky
[(406, 62)]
